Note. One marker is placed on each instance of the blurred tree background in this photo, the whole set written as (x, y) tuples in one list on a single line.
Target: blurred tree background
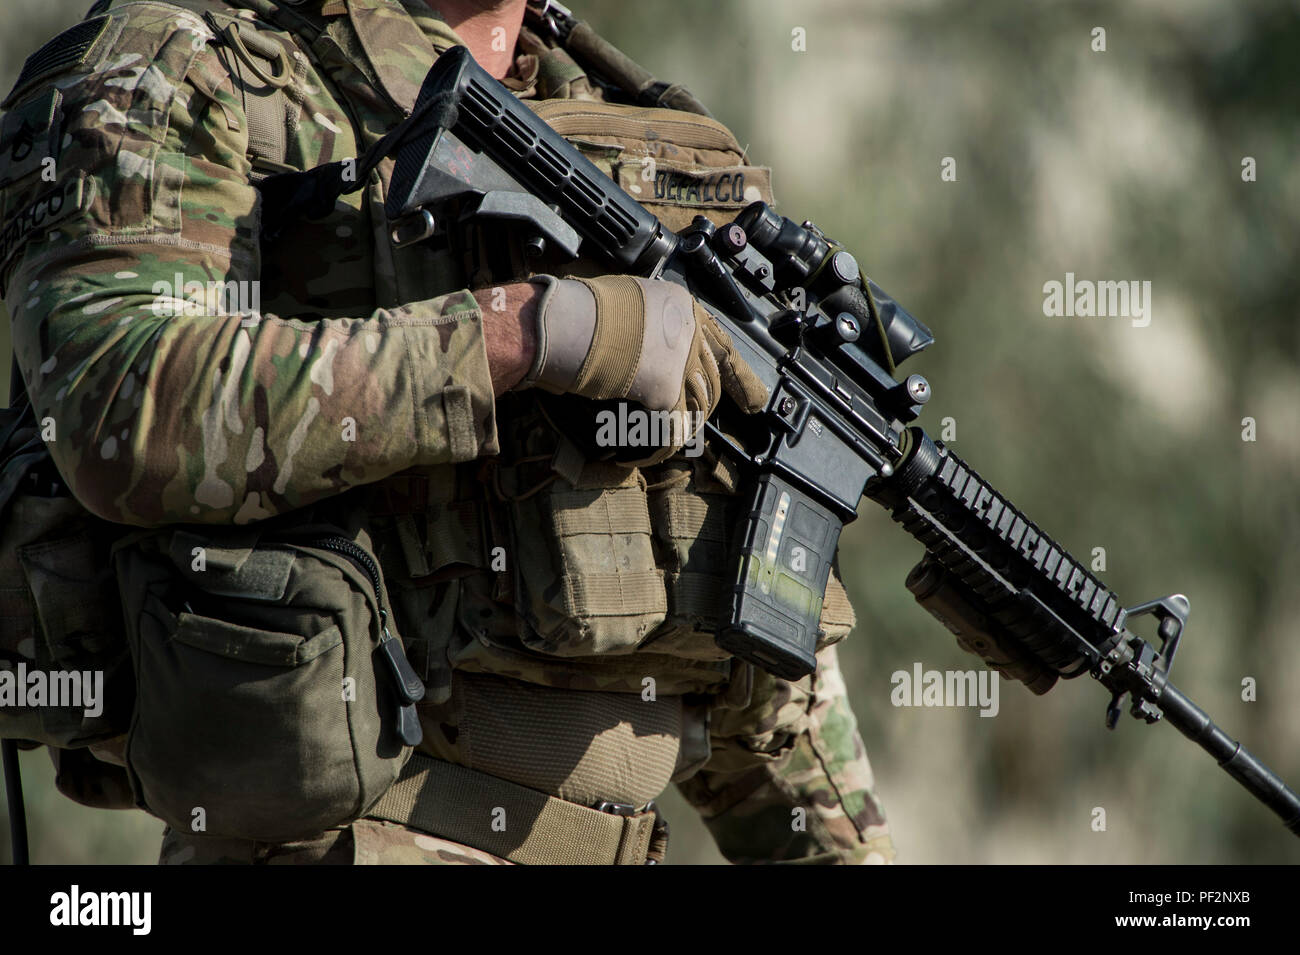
[(1117, 165)]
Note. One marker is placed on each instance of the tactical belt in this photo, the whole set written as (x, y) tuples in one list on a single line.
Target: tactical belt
[(460, 804)]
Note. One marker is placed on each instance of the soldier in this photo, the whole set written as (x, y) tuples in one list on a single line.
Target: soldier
[(559, 610)]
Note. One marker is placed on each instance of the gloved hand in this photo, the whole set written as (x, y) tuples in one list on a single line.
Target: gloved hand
[(618, 336)]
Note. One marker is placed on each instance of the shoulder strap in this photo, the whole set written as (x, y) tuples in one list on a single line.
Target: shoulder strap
[(600, 56), (263, 69), (261, 66)]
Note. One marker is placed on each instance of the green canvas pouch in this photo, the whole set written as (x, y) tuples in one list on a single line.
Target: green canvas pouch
[(274, 700)]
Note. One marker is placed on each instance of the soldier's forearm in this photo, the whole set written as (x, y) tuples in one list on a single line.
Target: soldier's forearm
[(206, 418), (509, 331)]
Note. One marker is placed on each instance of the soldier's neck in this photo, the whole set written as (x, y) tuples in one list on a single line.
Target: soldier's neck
[(490, 28)]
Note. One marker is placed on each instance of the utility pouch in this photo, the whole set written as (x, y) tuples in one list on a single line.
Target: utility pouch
[(65, 676), (694, 522), (274, 699), (586, 577)]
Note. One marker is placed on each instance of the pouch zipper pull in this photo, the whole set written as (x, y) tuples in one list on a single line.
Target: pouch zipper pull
[(409, 686), (408, 725)]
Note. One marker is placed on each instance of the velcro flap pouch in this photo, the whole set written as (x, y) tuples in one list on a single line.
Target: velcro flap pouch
[(586, 571)]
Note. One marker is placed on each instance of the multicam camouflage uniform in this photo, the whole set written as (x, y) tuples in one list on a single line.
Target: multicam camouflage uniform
[(175, 414)]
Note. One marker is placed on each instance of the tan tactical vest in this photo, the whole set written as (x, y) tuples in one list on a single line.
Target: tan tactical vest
[(543, 567), (615, 573)]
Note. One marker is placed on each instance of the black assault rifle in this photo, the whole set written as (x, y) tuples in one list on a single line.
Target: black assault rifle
[(826, 341)]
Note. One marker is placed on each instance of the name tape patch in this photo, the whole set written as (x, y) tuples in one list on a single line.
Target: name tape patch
[(733, 186), (42, 213)]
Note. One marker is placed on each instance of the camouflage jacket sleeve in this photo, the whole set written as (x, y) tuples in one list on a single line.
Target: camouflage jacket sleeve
[(788, 780), (155, 418)]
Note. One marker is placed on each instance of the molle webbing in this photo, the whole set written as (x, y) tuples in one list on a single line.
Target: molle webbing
[(434, 532), (456, 537), (582, 746), (605, 512), (266, 105), (837, 610), (262, 68), (614, 595), (461, 804), (689, 521)]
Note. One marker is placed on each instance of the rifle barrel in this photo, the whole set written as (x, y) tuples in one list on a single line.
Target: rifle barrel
[(1237, 761)]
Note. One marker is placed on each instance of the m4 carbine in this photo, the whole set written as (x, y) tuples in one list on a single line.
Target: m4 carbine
[(827, 342)]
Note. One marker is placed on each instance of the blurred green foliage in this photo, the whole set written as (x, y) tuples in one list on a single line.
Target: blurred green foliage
[(1115, 165)]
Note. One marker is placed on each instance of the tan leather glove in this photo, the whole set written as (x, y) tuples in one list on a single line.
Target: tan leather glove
[(618, 336)]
